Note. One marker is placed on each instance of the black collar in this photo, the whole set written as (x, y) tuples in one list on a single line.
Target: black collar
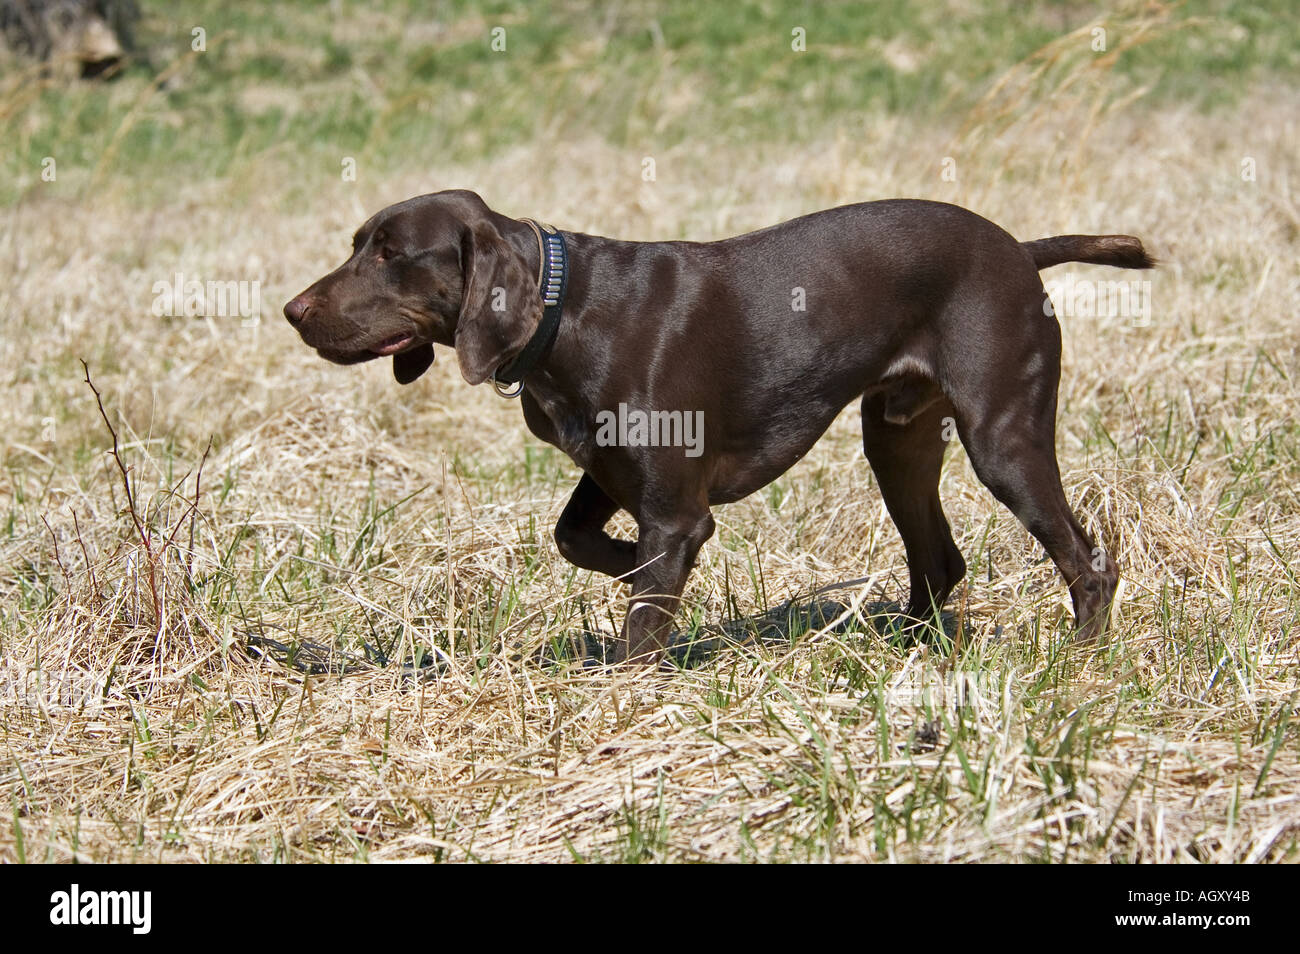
[(552, 280)]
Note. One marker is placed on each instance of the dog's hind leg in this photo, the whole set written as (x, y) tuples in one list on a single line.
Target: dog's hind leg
[(904, 435), (1005, 400)]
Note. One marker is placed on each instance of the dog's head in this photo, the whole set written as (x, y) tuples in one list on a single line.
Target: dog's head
[(431, 270)]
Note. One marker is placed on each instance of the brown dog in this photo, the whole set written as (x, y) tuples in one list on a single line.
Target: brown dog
[(679, 375)]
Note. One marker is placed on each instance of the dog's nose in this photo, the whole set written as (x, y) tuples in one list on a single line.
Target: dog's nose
[(296, 310)]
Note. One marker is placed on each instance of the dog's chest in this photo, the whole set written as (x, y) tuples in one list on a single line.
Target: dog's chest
[(561, 424)]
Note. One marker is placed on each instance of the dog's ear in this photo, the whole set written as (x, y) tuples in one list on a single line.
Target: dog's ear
[(500, 308), (409, 365)]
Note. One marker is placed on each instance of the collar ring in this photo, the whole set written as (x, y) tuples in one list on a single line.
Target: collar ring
[(508, 391)]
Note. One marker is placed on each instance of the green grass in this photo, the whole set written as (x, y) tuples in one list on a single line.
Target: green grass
[(285, 90)]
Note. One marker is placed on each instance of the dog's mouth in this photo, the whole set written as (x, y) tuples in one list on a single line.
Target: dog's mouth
[(411, 356), (394, 344)]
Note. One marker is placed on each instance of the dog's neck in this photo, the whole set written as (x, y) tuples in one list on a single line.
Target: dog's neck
[(556, 391), (552, 277)]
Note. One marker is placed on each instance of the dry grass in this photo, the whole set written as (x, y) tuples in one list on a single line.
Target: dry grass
[(138, 725)]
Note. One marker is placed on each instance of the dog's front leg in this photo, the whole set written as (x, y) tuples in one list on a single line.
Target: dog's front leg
[(665, 553), (581, 537)]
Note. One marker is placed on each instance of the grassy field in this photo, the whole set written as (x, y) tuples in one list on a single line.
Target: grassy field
[(302, 614)]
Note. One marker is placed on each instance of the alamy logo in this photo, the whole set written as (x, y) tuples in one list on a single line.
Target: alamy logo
[(1074, 297), (181, 298), (45, 689), (102, 907), (632, 427)]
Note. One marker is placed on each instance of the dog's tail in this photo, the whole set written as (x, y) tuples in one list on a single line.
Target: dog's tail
[(1123, 251)]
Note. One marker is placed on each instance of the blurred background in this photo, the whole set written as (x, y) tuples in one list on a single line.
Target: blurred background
[(269, 95)]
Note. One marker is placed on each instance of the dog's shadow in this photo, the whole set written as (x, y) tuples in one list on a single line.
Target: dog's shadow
[(785, 625)]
